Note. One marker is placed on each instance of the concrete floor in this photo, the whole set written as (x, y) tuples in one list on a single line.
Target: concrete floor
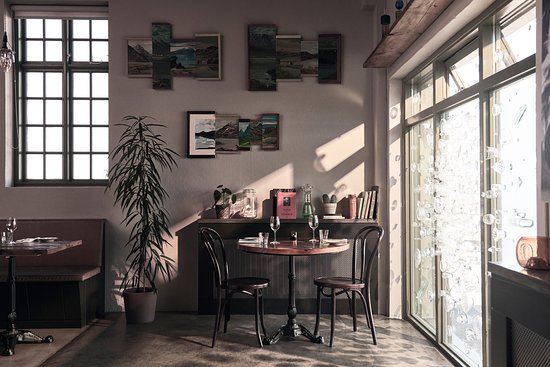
[(184, 340)]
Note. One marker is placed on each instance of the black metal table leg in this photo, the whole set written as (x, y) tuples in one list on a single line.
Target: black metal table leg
[(11, 336), (292, 328)]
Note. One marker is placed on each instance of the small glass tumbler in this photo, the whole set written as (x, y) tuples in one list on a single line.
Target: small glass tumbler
[(293, 236), (265, 238), (3, 241), (9, 238), (323, 235)]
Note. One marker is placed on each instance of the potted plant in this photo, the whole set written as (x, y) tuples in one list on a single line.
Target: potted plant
[(223, 198), (329, 203), (139, 158)]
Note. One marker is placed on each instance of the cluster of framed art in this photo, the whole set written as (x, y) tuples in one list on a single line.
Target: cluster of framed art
[(162, 57), (273, 58), (210, 133)]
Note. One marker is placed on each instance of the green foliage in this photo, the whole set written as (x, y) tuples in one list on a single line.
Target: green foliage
[(223, 196), (326, 199), (333, 198), (140, 156)]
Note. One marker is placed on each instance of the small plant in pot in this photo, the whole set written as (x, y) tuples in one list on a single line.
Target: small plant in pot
[(329, 204), (223, 198), (139, 158)]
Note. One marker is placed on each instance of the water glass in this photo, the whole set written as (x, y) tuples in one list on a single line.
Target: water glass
[(3, 240), (293, 236), (313, 222), (264, 236), (11, 226), (323, 235)]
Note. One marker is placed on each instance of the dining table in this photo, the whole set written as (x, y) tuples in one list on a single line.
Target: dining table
[(25, 247), (293, 248)]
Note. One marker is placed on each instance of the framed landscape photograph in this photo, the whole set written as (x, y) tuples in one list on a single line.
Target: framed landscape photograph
[(289, 60), (262, 58), (140, 57), (270, 131), (183, 60), (310, 58), (329, 58), (208, 50), (244, 134), (201, 134), (255, 132), (227, 133)]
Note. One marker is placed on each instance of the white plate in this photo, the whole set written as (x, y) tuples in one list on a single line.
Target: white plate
[(45, 239), (336, 240)]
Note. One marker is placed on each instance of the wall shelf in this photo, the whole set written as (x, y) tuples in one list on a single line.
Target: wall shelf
[(416, 18)]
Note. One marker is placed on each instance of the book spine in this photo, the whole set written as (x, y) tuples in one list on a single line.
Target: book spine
[(376, 190), (352, 203), (359, 206)]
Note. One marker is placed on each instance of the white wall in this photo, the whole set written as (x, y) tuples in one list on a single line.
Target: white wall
[(314, 121)]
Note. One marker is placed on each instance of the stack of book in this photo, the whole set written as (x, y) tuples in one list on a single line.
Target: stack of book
[(364, 205)]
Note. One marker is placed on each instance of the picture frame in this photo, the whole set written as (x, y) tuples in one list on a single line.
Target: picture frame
[(208, 49), (330, 55), (270, 131), (183, 59), (227, 133), (310, 57), (140, 57), (262, 57), (289, 60), (201, 138)]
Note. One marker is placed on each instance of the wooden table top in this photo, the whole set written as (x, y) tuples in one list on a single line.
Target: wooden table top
[(296, 248), (36, 248)]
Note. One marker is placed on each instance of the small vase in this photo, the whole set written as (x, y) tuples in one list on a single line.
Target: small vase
[(223, 211), (533, 252)]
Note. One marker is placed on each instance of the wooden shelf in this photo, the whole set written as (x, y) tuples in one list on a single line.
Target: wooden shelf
[(417, 17)]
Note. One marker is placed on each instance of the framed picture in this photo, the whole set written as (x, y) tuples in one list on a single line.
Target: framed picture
[(244, 134), (329, 58), (162, 34), (201, 134), (208, 50), (262, 58), (289, 60), (183, 60), (227, 133), (310, 58), (140, 57), (270, 131), (255, 132)]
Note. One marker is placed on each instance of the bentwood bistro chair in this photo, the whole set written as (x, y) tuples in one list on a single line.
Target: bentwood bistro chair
[(366, 242), (251, 286)]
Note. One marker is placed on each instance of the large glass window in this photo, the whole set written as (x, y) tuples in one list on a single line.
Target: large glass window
[(471, 174), (63, 99)]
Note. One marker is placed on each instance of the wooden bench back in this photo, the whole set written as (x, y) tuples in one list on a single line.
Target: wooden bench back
[(90, 231)]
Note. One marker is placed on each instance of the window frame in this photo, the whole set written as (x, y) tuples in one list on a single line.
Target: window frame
[(67, 67)]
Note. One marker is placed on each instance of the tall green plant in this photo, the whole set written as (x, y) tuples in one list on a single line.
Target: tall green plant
[(140, 156)]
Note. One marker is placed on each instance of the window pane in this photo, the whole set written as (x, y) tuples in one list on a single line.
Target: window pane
[(35, 51), (54, 167), (81, 112), (81, 28), (100, 29), (81, 51), (81, 85), (100, 85), (463, 73), (35, 84), (54, 139), (34, 28), (35, 112), (100, 51), (100, 112), (515, 38), (81, 166), (54, 85), (54, 112), (421, 217), (81, 139), (35, 139), (100, 139), (54, 51), (35, 168), (458, 229), (100, 166), (53, 28), (419, 92)]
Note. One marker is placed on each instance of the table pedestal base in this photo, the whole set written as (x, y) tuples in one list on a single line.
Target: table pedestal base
[(293, 330), (10, 338)]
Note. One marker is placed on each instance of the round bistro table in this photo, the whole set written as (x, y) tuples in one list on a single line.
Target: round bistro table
[(292, 249)]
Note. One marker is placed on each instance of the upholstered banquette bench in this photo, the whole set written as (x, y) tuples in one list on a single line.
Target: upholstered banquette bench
[(64, 289)]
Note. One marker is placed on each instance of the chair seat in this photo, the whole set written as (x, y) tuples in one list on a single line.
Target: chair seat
[(339, 282), (246, 283)]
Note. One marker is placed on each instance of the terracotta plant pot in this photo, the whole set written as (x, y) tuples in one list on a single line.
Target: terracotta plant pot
[(329, 208), (139, 306)]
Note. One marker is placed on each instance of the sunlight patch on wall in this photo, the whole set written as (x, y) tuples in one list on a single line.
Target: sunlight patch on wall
[(339, 149), (352, 183)]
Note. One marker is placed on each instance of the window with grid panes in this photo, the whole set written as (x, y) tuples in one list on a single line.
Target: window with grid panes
[(62, 101)]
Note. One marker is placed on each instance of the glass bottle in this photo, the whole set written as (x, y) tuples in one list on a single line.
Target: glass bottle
[(249, 204), (308, 208)]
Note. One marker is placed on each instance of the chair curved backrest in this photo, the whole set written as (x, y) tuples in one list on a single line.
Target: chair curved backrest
[(215, 247), (367, 239)]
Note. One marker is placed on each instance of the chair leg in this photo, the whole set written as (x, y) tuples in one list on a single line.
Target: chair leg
[(332, 314), (262, 312), (227, 310), (368, 312), (318, 311), (257, 316), (353, 312), (218, 317)]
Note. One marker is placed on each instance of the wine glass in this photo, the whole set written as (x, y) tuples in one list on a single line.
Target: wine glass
[(11, 226), (275, 224), (313, 222)]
